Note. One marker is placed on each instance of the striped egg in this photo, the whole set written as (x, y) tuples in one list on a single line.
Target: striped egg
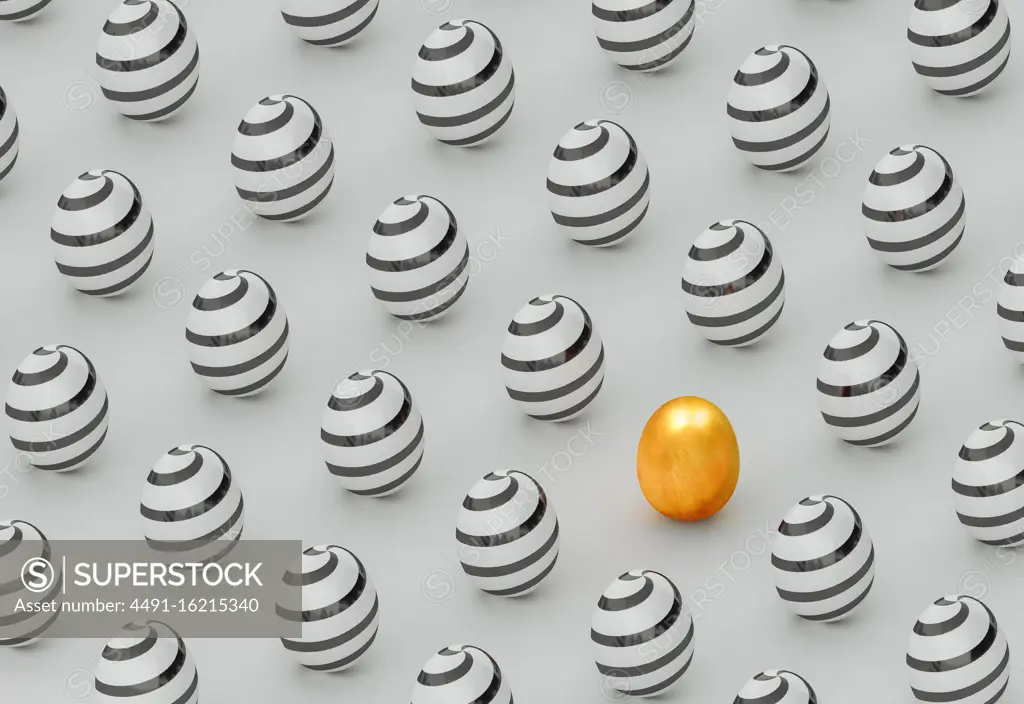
[(507, 533), (147, 59), (237, 333), (21, 10), (282, 159), (642, 636), (959, 46), (8, 135), (599, 186), (57, 408), (641, 35), (338, 613), (869, 387), (552, 358), (779, 108), (957, 653), (461, 674), (987, 477), (191, 504), (914, 209), (146, 663), (1010, 309), (328, 22), (776, 687), (417, 258), (21, 543), (823, 559), (102, 233), (372, 434), (463, 84), (733, 284)]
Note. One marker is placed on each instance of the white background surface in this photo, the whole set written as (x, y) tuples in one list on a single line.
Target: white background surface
[(453, 370)]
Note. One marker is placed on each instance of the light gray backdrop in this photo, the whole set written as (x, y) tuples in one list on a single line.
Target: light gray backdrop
[(632, 293)]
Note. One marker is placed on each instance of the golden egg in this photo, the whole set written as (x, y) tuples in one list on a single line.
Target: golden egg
[(688, 461)]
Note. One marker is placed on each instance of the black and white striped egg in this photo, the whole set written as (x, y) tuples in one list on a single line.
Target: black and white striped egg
[(599, 186), (338, 611), (779, 108), (372, 434), (642, 635), (987, 481), (552, 358), (282, 159), (959, 47), (958, 653), (869, 387), (461, 674), (776, 687), (146, 663), (641, 35), (823, 559), (192, 505), (914, 209), (147, 59), (1010, 309), (418, 259), (328, 22), (237, 333), (507, 533), (57, 408), (463, 83), (102, 233), (733, 284), (21, 10), (20, 543), (9, 129)]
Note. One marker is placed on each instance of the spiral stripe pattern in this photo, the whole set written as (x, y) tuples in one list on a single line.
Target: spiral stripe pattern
[(372, 434), (282, 159), (599, 186), (146, 663), (869, 387), (57, 408), (914, 209), (418, 259), (191, 505), (463, 83), (779, 108), (237, 333), (823, 559), (958, 654), (959, 47), (507, 534), (552, 358), (643, 639), (461, 674), (147, 59), (338, 610)]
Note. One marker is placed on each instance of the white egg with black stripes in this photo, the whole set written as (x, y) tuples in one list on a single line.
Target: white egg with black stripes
[(959, 47), (461, 674), (823, 559), (642, 635), (329, 608), (372, 434), (1010, 309), (869, 384), (914, 209), (147, 662), (641, 35), (779, 109), (328, 22), (147, 59), (29, 577), (734, 286), (507, 534), (987, 483), (776, 687)]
